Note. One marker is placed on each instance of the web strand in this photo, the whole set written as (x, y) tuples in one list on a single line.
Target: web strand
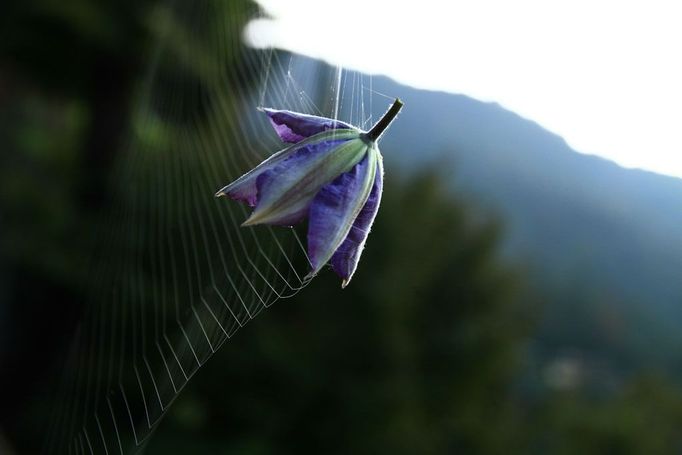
[(175, 276)]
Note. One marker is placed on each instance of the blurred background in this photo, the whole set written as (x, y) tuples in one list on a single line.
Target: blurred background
[(515, 296)]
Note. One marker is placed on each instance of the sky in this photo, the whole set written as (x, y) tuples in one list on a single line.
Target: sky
[(605, 75)]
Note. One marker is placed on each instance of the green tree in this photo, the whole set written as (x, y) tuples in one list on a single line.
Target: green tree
[(72, 78), (642, 417), (417, 355)]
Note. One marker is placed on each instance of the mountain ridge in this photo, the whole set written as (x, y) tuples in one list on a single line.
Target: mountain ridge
[(583, 223), (602, 243)]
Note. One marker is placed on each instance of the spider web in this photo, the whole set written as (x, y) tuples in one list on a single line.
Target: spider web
[(173, 276)]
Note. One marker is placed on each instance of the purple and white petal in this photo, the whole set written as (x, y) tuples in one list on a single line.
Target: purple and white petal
[(345, 259), (246, 191), (271, 185), (335, 208), (294, 127), (244, 188), (286, 191), (266, 183)]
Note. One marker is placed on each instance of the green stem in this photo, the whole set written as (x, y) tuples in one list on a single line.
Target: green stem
[(379, 127)]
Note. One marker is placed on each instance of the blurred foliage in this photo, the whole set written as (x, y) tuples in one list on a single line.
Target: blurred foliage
[(642, 418), (68, 71), (423, 353), (417, 355), (65, 46)]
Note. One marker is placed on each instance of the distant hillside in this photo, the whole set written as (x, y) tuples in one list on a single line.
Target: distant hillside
[(590, 229), (603, 244)]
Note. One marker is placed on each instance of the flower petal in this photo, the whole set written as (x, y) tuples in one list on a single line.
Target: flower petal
[(336, 207), (265, 184), (345, 259), (247, 192), (244, 188), (294, 127), (288, 189)]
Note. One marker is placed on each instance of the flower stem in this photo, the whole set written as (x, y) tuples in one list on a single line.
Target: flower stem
[(379, 127)]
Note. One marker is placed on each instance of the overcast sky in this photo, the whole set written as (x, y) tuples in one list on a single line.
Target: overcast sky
[(607, 76)]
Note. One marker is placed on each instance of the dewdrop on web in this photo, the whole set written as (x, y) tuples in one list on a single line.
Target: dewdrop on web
[(332, 175)]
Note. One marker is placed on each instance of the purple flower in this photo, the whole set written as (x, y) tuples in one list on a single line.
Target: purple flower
[(332, 174)]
